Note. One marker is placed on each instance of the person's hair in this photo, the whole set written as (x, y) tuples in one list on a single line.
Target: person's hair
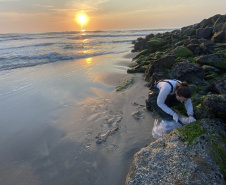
[(183, 90)]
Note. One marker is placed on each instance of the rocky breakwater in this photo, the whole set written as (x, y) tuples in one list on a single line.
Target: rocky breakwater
[(195, 153)]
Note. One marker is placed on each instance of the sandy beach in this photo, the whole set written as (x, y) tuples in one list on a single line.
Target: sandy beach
[(51, 133)]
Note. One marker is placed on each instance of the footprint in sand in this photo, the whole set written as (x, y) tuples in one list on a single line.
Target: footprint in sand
[(110, 126), (138, 116)]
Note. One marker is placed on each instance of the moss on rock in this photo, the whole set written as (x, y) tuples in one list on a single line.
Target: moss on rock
[(182, 51), (144, 52), (191, 131), (124, 83), (219, 152), (132, 64), (143, 60), (156, 43), (181, 109), (217, 60)]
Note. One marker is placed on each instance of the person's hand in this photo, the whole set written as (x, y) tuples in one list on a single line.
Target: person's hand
[(175, 117), (191, 119)]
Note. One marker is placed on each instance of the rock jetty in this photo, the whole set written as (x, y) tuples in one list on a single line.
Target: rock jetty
[(195, 153)]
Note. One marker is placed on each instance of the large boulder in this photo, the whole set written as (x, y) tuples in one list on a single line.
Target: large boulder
[(219, 36), (215, 104), (140, 44), (219, 30), (210, 106), (221, 19), (188, 155), (191, 41), (204, 49), (210, 69), (189, 31), (208, 22), (205, 33), (155, 77), (160, 65), (218, 27), (181, 51), (217, 60), (156, 44), (190, 72), (220, 85)]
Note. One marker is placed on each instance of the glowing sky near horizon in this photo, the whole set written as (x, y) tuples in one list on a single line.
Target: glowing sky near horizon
[(58, 15)]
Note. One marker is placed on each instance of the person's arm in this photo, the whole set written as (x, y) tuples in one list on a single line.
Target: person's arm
[(189, 107), (164, 92)]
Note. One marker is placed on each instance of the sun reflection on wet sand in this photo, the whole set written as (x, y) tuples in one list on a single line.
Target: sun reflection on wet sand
[(89, 61)]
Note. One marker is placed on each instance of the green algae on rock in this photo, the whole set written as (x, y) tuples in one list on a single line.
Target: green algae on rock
[(217, 60), (124, 83), (182, 51), (191, 131)]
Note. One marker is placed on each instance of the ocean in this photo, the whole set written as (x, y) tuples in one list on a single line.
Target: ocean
[(26, 50)]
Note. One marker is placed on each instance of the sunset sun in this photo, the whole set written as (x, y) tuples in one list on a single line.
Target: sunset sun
[(82, 19)]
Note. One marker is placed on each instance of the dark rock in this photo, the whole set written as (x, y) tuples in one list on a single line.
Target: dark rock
[(160, 64), (132, 70), (208, 22), (217, 27), (190, 72), (192, 47), (205, 33), (221, 19), (216, 104), (191, 41), (220, 85), (219, 36), (210, 69), (220, 46), (204, 49), (217, 60), (140, 44), (150, 36), (211, 106), (190, 32), (155, 77)]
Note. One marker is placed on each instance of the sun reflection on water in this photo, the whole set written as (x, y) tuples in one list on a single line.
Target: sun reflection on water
[(86, 51), (85, 40)]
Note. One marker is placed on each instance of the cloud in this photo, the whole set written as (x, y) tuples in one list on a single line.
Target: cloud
[(7, 0), (44, 6), (10, 16), (86, 5)]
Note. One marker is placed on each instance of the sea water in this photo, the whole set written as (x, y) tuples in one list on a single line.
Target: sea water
[(25, 50)]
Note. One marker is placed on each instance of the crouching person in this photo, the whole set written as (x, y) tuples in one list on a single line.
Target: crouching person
[(168, 93)]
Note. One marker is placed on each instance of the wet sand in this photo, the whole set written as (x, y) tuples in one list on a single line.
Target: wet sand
[(65, 124)]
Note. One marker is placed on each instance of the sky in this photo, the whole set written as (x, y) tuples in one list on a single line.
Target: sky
[(35, 16)]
